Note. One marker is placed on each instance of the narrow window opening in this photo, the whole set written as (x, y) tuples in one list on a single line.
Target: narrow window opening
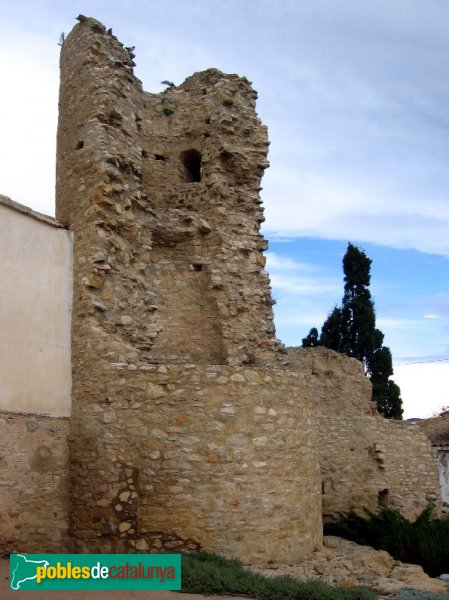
[(160, 157), (197, 267), (383, 498), (191, 160), (80, 145)]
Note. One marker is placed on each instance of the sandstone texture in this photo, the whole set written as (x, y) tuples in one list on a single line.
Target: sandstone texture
[(189, 457), (162, 193), (366, 461), (191, 427), (186, 433), (341, 562), (34, 483)]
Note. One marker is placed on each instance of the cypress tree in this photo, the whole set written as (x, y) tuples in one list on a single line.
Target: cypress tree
[(311, 340), (352, 330)]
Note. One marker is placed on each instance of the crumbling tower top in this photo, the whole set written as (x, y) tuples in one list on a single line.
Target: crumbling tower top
[(162, 191)]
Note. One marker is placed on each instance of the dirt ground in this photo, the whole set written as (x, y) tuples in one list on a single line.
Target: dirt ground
[(7, 594)]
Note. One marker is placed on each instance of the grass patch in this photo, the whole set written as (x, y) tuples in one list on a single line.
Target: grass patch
[(204, 573)]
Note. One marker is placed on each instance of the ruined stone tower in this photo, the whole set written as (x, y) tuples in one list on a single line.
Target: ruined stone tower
[(185, 427), (185, 432)]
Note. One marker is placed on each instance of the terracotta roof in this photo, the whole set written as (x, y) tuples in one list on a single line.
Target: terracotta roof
[(437, 429)]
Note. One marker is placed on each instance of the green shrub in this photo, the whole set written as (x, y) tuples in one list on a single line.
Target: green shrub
[(424, 542), (204, 573)]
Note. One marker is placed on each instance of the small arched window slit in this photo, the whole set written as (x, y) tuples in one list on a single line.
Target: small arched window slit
[(191, 162)]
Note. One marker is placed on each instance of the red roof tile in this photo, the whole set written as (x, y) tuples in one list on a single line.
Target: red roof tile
[(437, 429)]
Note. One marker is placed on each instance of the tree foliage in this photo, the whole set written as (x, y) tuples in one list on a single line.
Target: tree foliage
[(311, 340), (351, 329)]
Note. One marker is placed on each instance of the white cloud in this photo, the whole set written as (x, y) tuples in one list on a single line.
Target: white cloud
[(276, 262), (423, 387), (397, 323), (302, 285), (296, 278), (320, 206)]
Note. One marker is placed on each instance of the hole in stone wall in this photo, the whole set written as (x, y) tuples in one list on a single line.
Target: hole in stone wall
[(191, 161), (160, 157), (144, 153), (383, 498), (226, 159), (80, 145), (197, 267)]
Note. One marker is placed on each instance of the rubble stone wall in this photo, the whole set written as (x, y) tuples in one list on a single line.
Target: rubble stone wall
[(34, 484), (187, 429), (162, 194), (366, 460), (186, 456)]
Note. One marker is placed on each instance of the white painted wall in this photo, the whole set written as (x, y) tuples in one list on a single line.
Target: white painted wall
[(443, 464), (35, 312)]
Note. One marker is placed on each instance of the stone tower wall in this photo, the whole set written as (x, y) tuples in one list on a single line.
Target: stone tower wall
[(173, 444), (187, 430), (205, 151), (161, 258), (194, 456)]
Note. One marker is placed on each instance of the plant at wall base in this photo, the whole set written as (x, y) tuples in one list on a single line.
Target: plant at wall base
[(351, 329), (423, 541), (204, 573)]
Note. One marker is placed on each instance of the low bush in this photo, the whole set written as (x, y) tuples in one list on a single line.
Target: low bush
[(424, 542), (204, 573)]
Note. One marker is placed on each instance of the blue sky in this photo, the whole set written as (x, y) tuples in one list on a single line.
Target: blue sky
[(355, 95)]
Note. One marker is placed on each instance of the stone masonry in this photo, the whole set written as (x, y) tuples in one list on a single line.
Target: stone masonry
[(34, 483), (190, 456), (162, 194), (366, 460), (191, 427)]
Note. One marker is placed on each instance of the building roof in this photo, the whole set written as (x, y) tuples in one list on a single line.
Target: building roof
[(25, 210), (437, 429)]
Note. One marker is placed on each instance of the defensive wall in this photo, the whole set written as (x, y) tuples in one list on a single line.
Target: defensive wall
[(190, 425), (35, 379), (365, 460)]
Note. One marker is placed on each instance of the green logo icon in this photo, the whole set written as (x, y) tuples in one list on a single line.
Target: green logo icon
[(95, 571)]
